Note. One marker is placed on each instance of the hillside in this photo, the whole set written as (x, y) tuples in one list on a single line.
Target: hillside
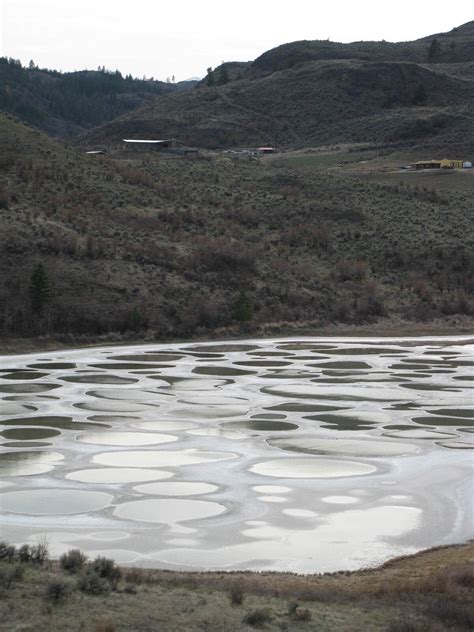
[(180, 247), (313, 93), (66, 104)]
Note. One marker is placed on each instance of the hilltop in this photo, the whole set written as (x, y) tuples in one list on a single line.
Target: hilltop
[(66, 104), (179, 248), (313, 93)]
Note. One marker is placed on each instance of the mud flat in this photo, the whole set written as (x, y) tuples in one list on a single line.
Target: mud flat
[(300, 454)]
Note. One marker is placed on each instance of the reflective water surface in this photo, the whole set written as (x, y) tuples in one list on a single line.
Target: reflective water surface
[(300, 454)]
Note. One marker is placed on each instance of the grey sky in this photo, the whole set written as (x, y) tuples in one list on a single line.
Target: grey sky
[(183, 37)]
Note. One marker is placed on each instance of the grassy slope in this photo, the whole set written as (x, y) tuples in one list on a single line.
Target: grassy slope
[(430, 591), (322, 92), (168, 244)]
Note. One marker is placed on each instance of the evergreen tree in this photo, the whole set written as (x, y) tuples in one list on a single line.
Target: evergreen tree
[(39, 289), (242, 309), (434, 50), (223, 75), (210, 77)]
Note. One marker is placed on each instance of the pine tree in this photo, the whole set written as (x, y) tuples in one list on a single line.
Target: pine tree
[(39, 289), (242, 309), (434, 50)]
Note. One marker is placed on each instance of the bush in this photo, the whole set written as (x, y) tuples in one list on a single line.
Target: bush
[(302, 614), (10, 575), (236, 594), (24, 553), (73, 561), (39, 553), (57, 590), (258, 617), (106, 569), (7, 552), (90, 582)]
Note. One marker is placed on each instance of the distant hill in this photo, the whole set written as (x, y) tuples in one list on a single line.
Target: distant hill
[(307, 93), (66, 104)]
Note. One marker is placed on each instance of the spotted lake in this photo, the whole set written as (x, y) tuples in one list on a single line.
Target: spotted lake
[(308, 454)]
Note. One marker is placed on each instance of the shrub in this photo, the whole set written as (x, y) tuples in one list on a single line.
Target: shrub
[(7, 552), (452, 613), (236, 594), (104, 625), (89, 581), (302, 614), (464, 576), (106, 569), (39, 553), (73, 561), (10, 575), (258, 617), (57, 590), (24, 553)]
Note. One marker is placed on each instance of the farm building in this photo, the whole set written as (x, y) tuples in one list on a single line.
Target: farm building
[(170, 145), (438, 164)]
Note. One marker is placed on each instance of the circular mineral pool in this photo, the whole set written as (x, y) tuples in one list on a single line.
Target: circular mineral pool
[(311, 468), (168, 510)]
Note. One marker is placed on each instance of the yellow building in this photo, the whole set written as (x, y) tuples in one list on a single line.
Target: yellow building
[(450, 164), (446, 163)]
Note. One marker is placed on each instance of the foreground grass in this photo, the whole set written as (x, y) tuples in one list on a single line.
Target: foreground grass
[(431, 591)]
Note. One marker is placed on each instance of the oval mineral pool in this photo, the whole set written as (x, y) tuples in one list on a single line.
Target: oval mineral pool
[(47, 502), (168, 510), (13, 408), (300, 513), (160, 458), (27, 387), (312, 468), (210, 412), (271, 489), (112, 406), (28, 463), (164, 425), (126, 438), (116, 475), (178, 488), (344, 447), (29, 434), (259, 425), (101, 378), (128, 394), (221, 371), (418, 433), (340, 500)]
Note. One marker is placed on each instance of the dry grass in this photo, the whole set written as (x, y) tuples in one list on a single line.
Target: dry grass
[(429, 591)]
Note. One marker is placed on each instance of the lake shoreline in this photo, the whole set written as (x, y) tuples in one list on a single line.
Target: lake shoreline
[(382, 328)]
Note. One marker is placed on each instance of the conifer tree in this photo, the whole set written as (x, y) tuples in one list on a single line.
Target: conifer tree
[(40, 289)]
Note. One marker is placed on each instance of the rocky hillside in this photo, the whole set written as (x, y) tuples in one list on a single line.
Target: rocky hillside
[(313, 93)]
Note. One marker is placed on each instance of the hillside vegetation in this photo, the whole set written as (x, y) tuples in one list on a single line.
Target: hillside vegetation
[(179, 247), (312, 93), (66, 104)]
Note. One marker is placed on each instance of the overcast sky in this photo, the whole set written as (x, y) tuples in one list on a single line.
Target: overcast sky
[(160, 38)]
